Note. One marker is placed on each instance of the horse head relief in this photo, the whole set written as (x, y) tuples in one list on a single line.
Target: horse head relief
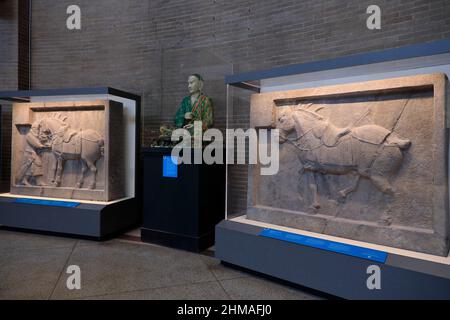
[(66, 151), (364, 161)]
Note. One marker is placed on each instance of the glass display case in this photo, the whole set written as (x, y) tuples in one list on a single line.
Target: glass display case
[(184, 201), (74, 161), (356, 157)]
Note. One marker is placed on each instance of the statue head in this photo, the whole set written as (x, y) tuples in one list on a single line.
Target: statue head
[(195, 83)]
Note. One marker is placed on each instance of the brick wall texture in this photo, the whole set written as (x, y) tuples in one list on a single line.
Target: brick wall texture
[(9, 78), (150, 47)]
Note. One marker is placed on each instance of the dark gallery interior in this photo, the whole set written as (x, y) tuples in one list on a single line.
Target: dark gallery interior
[(224, 150)]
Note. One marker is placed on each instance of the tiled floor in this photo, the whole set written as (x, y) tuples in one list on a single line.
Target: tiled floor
[(34, 267)]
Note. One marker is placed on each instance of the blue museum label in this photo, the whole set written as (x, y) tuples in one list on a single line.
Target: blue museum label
[(47, 202), (170, 167), (338, 247)]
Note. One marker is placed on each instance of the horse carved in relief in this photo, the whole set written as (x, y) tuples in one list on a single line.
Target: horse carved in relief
[(367, 151), (68, 144)]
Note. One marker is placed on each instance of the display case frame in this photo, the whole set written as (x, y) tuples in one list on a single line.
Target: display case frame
[(88, 219), (244, 243)]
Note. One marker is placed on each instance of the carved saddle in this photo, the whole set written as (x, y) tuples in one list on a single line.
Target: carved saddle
[(329, 134), (68, 143), (371, 134)]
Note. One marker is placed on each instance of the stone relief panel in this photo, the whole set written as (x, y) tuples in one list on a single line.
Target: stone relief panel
[(360, 162), (63, 150)]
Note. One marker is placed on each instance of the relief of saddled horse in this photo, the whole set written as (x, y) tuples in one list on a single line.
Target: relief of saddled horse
[(368, 151), (68, 144)]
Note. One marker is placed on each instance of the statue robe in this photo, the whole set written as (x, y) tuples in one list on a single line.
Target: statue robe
[(202, 110)]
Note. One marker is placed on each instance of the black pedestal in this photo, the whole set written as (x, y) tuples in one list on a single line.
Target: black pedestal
[(181, 211)]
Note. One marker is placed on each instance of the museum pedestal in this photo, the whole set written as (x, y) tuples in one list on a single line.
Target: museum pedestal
[(181, 203), (94, 221), (43, 195), (403, 274)]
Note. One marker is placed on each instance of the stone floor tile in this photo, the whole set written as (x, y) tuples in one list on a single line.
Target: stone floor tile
[(115, 266)]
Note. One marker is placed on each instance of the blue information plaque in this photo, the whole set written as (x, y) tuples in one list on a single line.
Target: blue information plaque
[(338, 247), (52, 203), (170, 167)]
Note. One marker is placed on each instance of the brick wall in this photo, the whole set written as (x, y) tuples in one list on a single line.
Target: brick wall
[(8, 44), (8, 79), (149, 47), (23, 80)]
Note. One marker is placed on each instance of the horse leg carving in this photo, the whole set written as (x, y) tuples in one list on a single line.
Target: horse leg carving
[(93, 169), (301, 173), (53, 167), (382, 184), (83, 173), (58, 174), (315, 205), (354, 185)]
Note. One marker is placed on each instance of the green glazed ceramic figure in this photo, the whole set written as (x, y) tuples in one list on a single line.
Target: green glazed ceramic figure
[(194, 107)]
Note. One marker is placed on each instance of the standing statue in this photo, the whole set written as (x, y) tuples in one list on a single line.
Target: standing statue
[(194, 107)]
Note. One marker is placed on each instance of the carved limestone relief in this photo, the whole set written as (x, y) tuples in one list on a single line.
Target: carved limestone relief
[(364, 161), (64, 150)]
